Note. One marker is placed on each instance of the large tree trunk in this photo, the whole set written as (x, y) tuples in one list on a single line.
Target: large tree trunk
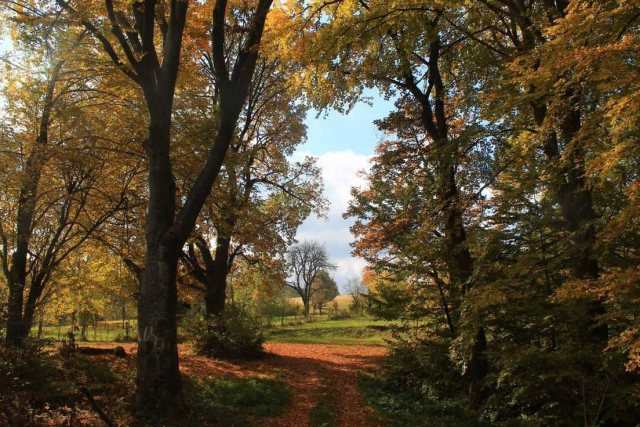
[(157, 361)]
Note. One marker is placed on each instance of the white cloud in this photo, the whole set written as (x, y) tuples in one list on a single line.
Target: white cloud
[(340, 173)]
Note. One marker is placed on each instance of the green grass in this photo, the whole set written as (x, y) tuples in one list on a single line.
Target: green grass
[(350, 331), (112, 331), (234, 402), (325, 411)]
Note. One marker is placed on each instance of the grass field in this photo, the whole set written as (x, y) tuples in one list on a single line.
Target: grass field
[(319, 330), (350, 331), (344, 301), (109, 331)]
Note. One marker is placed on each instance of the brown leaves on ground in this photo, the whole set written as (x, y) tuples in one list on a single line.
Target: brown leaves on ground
[(306, 368)]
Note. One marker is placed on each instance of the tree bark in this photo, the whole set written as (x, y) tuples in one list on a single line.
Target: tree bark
[(216, 279), (15, 326), (158, 382), (157, 360)]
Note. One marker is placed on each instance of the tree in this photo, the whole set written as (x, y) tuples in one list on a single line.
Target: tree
[(359, 294), (45, 222), (527, 71), (154, 70), (305, 260), (324, 290), (406, 53), (387, 297), (261, 197)]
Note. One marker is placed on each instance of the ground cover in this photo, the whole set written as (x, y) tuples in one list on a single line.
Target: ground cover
[(314, 383), (350, 331)]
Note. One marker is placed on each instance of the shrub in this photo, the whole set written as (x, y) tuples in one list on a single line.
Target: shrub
[(420, 385), (25, 399), (236, 333), (340, 314)]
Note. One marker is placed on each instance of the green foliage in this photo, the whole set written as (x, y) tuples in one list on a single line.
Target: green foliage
[(389, 301), (325, 412), (236, 333), (402, 407), (25, 398), (324, 290), (277, 305), (234, 402), (340, 314), (421, 363)]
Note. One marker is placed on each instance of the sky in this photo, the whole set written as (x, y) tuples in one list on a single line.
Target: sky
[(343, 145)]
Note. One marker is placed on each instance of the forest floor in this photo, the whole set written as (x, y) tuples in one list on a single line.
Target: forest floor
[(310, 376), (323, 380)]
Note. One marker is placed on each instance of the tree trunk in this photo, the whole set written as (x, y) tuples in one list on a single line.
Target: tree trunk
[(217, 273), (17, 274), (37, 287), (575, 200), (15, 327), (157, 362), (306, 309)]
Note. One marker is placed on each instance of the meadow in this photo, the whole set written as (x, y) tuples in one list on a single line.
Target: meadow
[(342, 331)]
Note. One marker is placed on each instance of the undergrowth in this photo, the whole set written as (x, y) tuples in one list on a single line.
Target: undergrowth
[(325, 411), (234, 402)]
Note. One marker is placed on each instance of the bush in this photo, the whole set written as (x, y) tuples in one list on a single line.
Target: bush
[(25, 399), (420, 385), (340, 314), (236, 333), (399, 407)]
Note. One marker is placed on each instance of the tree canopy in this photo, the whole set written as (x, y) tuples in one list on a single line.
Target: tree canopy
[(147, 165)]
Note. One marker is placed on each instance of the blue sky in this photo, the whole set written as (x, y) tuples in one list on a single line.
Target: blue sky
[(343, 145), (355, 131)]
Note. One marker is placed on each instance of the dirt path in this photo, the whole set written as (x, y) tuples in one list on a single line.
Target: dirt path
[(311, 366), (307, 368)]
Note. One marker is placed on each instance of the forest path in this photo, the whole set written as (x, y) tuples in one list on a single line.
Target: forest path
[(317, 374), (313, 370)]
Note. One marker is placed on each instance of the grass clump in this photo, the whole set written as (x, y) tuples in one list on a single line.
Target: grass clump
[(325, 411), (235, 402)]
